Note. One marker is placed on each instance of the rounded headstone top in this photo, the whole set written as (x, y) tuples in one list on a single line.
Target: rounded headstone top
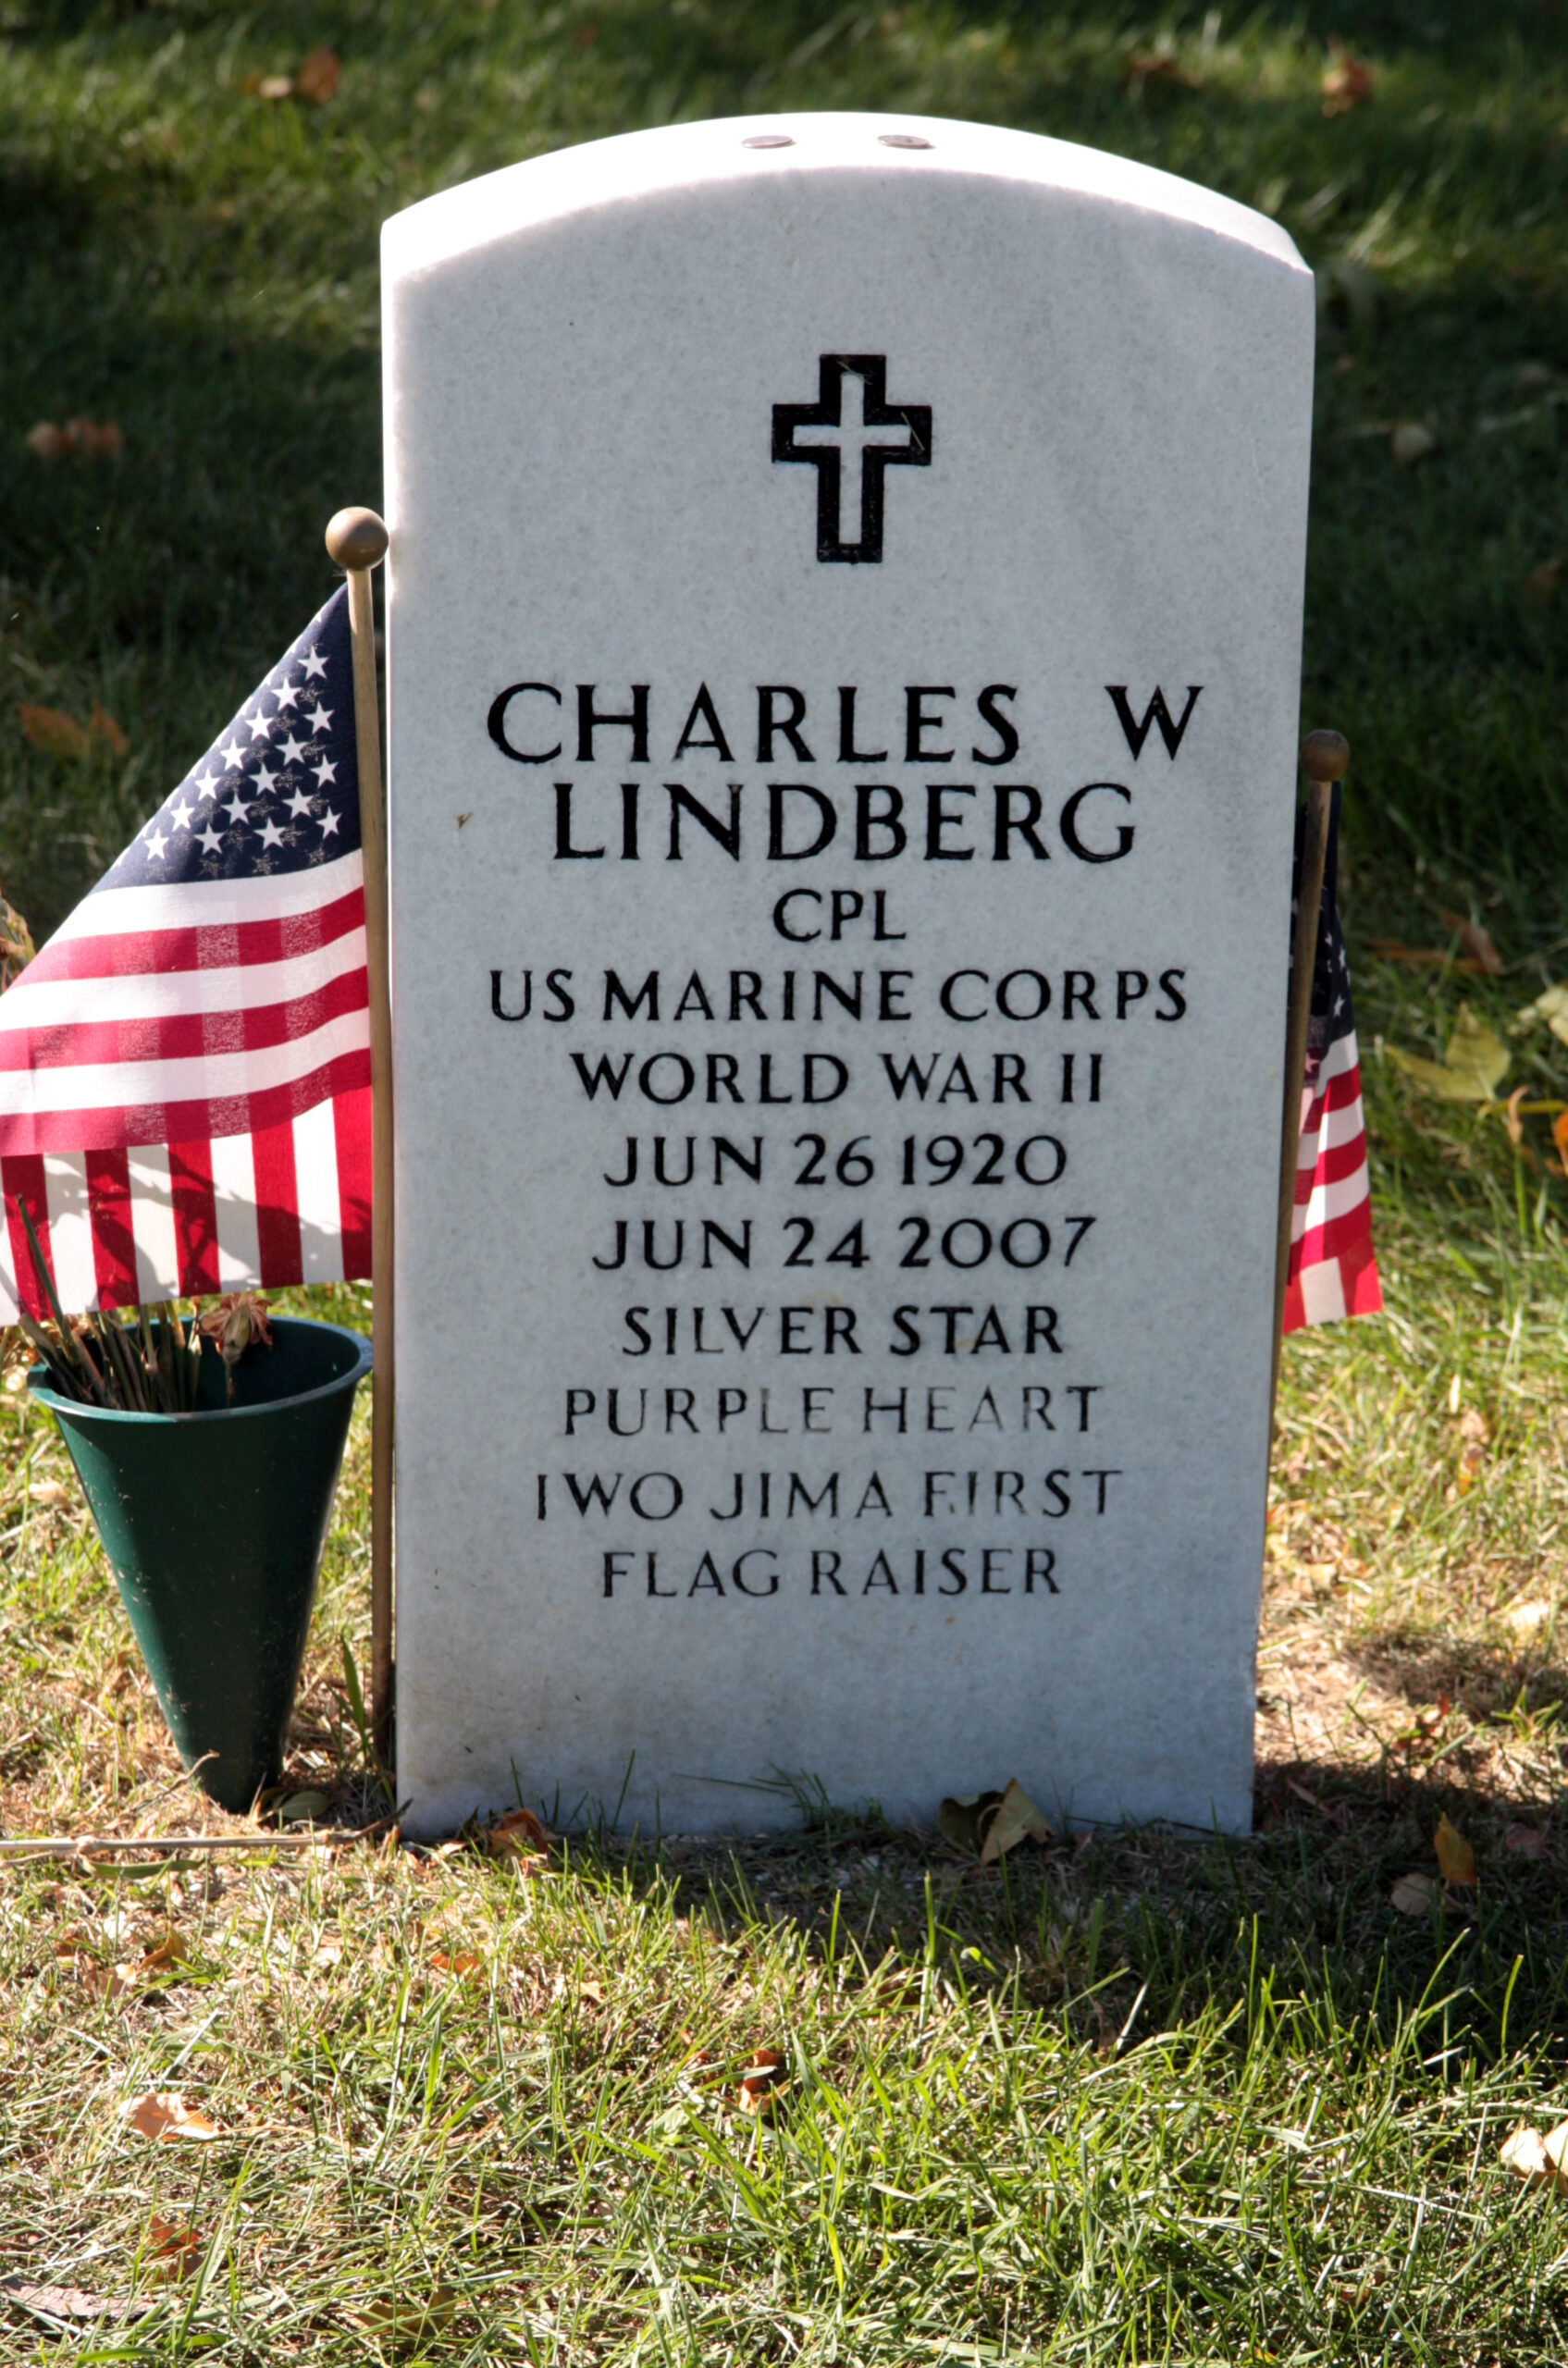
[(356, 538), (1324, 755)]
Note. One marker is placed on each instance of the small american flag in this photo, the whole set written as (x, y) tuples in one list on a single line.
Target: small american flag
[(1332, 1272), (185, 1067)]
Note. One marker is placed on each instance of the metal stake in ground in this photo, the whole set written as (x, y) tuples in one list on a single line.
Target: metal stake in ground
[(1324, 755), (357, 541)]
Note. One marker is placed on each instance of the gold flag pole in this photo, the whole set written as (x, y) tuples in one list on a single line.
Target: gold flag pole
[(357, 541), (1324, 755)]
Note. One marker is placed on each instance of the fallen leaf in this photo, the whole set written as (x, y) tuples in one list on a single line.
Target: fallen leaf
[(761, 2080), (1412, 1894), (63, 2305), (516, 1836), (164, 2113), (1525, 1842), (404, 2323), (1475, 946), (1473, 1066), (1161, 66), (302, 1808), (1511, 1119), (101, 725), (1411, 441), (1537, 2160), (1436, 957), (1559, 1137), (16, 945), (318, 77), (1552, 1006), (48, 728), (93, 440), (1541, 582), (1455, 1855), (1347, 82), (961, 1819), (178, 2250), (1473, 1430), (166, 1950), (1017, 1817), (106, 1982)]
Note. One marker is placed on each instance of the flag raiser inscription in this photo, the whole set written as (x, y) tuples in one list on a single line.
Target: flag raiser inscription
[(838, 1006)]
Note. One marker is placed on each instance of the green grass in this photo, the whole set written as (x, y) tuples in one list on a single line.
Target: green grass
[(1127, 2099)]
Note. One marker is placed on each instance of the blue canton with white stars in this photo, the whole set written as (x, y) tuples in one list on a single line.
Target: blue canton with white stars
[(279, 791), (1331, 1014)]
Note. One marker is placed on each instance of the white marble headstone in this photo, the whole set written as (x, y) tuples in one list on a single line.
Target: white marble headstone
[(844, 603)]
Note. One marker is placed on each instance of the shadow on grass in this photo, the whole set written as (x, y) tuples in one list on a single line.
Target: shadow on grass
[(1129, 1932), (1485, 1681)]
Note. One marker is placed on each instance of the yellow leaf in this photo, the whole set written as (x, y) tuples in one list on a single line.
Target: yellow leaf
[(1412, 1895), (1474, 1051), (165, 2114), (302, 1808), (1016, 1817), (1524, 2155), (961, 1819), (16, 945), (397, 2321), (167, 1950), (1552, 1006), (1411, 441), (1537, 2160), (1473, 1066), (1454, 1855)]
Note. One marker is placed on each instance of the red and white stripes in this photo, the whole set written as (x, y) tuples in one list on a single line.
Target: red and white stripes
[(185, 1092), (1332, 1272)]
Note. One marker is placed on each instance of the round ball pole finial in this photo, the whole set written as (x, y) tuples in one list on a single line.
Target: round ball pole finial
[(1324, 755), (356, 538)]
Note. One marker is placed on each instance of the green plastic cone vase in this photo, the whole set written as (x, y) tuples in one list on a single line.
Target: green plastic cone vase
[(214, 1524)]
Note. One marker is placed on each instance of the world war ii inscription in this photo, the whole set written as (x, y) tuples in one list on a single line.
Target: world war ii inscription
[(845, 617)]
